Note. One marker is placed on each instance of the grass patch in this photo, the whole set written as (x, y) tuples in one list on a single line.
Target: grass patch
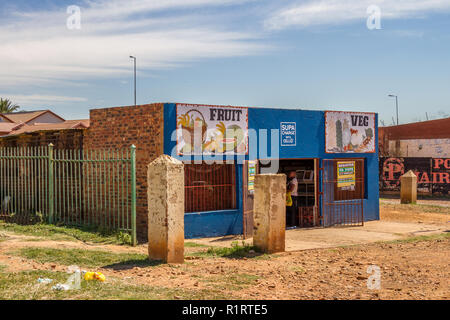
[(24, 286), (433, 237), (2, 267), (194, 245), (53, 232), (420, 208), (235, 251), (298, 269), (231, 281), (3, 237), (83, 258)]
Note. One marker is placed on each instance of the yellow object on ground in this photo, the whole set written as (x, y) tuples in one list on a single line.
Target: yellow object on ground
[(89, 276)]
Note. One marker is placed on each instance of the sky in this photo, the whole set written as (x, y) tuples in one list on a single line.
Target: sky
[(72, 56)]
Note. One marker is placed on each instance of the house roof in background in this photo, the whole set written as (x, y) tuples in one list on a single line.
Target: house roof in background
[(7, 127), (27, 116), (66, 125), (5, 118)]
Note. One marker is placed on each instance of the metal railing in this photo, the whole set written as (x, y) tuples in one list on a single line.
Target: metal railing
[(70, 187)]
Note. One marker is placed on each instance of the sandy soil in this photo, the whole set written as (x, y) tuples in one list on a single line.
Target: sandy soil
[(409, 270), (426, 202), (397, 214)]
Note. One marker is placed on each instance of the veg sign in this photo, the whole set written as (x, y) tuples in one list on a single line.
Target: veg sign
[(349, 132), (208, 130)]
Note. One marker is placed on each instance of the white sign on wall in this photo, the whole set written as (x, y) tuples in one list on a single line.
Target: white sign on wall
[(207, 130), (288, 133), (349, 132)]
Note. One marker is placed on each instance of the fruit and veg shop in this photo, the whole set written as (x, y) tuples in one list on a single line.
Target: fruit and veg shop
[(334, 155)]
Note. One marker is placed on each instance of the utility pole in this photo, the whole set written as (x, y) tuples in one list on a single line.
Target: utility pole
[(135, 95), (396, 103)]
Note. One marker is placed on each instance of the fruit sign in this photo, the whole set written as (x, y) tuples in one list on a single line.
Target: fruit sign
[(349, 132), (210, 130)]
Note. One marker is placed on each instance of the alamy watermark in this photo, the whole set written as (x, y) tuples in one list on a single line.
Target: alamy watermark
[(374, 280), (73, 22), (374, 19), (262, 144)]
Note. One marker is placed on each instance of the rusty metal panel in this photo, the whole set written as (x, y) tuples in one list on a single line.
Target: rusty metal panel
[(342, 205)]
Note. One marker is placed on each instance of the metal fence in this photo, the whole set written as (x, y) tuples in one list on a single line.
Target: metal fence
[(69, 187), (342, 207)]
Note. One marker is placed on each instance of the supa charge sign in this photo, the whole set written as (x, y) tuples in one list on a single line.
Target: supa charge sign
[(288, 132)]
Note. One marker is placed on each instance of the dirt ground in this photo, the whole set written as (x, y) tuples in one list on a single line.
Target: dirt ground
[(409, 269)]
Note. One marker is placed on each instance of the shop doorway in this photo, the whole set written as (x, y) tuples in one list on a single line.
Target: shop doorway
[(304, 212)]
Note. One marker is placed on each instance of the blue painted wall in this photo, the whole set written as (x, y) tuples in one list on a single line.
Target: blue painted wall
[(310, 144)]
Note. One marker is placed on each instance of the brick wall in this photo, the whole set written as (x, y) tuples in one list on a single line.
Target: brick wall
[(62, 139), (390, 137), (121, 127)]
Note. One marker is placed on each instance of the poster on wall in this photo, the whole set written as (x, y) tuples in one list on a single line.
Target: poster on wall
[(212, 130), (346, 175), (251, 176), (349, 132)]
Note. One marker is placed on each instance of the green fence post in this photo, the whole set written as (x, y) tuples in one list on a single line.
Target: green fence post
[(133, 195), (50, 183)]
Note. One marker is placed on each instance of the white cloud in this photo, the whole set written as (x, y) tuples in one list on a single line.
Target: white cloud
[(334, 12), (36, 99), (38, 49)]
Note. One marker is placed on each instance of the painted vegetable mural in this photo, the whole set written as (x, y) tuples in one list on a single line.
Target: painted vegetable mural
[(350, 132)]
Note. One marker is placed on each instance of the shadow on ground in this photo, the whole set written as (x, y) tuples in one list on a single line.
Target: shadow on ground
[(130, 264)]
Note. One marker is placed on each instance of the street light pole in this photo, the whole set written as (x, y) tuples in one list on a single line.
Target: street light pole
[(396, 103), (134, 59)]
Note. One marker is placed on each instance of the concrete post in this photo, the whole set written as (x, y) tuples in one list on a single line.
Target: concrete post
[(270, 213), (166, 210), (408, 191)]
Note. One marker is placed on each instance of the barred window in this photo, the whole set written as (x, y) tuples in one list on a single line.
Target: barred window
[(357, 191), (210, 187)]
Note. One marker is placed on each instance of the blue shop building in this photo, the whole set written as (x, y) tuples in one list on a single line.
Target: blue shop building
[(334, 155)]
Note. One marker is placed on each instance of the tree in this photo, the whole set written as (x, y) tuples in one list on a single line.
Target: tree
[(6, 106)]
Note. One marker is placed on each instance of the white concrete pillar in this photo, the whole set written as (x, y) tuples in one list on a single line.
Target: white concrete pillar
[(408, 188), (270, 213), (166, 210)]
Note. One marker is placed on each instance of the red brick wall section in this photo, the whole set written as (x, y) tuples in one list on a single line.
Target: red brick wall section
[(116, 128)]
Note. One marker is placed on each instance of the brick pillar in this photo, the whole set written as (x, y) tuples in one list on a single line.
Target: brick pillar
[(408, 188), (166, 210), (270, 212)]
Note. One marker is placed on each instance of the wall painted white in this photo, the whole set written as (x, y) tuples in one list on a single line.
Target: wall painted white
[(436, 148)]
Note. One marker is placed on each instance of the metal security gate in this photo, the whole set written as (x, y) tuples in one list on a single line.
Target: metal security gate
[(69, 187), (248, 197), (342, 198)]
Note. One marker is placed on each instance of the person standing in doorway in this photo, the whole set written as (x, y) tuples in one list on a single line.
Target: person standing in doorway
[(292, 187)]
